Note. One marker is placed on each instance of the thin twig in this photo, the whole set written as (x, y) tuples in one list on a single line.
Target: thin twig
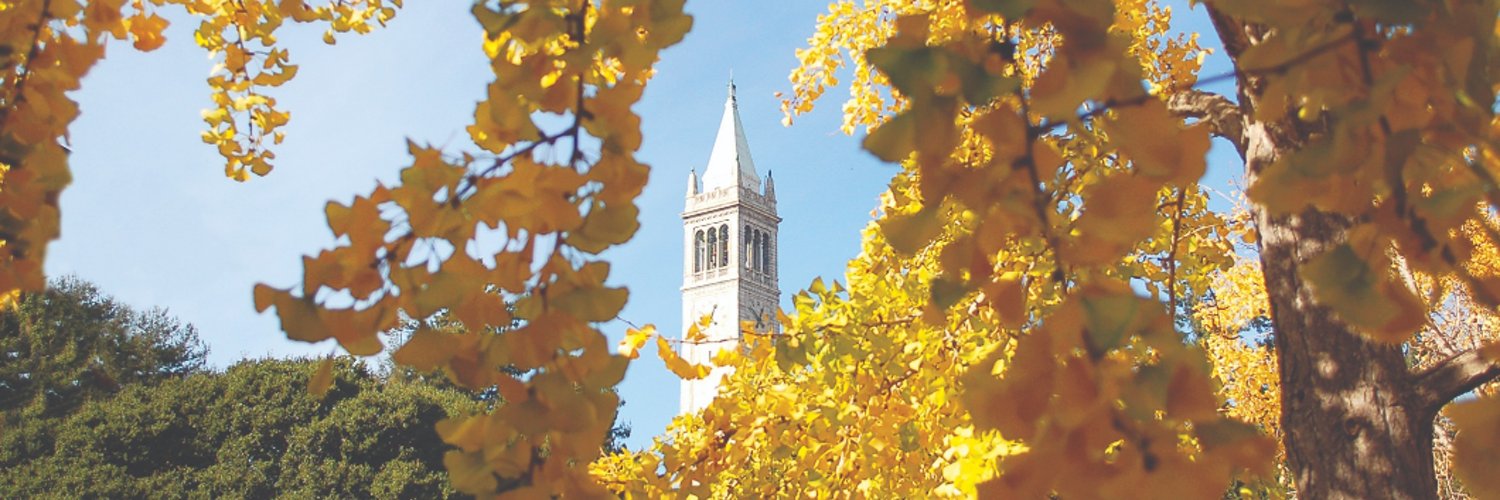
[(471, 181), (1110, 104), (573, 131), (1039, 198), (1172, 254)]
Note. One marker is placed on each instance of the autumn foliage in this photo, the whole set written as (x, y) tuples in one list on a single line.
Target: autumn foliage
[(1045, 304), (1053, 153)]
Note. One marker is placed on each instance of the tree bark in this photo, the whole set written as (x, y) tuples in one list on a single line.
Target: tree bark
[(1353, 424), (1453, 377)]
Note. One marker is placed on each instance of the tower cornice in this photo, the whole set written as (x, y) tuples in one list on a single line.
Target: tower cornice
[(704, 203)]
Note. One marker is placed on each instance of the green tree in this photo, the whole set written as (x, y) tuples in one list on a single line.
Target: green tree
[(381, 442), (71, 343), (252, 431)]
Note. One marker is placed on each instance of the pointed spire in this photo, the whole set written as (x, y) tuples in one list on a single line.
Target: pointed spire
[(770, 189), (729, 164), (692, 182)]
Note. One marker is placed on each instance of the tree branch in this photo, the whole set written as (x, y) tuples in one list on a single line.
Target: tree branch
[(1452, 377), (1220, 114)]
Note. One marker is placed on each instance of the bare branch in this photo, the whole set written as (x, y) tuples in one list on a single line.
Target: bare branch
[(1220, 114), (1453, 377)]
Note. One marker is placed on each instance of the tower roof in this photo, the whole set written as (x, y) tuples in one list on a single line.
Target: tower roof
[(729, 164)]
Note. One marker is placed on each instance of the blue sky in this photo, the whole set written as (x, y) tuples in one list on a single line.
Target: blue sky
[(151, 218)]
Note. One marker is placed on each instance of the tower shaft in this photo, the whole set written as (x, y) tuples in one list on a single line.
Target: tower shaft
[(730, 265)]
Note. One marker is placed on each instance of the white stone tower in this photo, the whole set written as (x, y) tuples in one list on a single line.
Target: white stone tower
[(729, 269)]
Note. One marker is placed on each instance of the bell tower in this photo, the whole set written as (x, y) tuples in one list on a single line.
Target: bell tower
[(729, 266)]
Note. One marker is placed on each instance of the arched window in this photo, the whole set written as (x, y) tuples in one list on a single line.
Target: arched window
[(713, 248), (724, 259), (765, 253), (698, 252), (748, 257), (755, 243)]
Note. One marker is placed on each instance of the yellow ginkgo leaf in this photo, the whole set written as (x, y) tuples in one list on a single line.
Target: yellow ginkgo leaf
[(908, 233), (726, 357), (469, 472), (678, 366), (146, 30), (426, 350), (322, 379), (630, 347)]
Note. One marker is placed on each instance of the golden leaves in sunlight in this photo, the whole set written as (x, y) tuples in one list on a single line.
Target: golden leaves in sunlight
[(491, 250), (855, 394), (678, 366), (1398, 148), (1084, 381), (146, 31), (240, 35), (989, 203), (634, 340), (47, 48)]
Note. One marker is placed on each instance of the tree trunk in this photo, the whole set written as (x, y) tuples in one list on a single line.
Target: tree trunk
[(1353, 423)]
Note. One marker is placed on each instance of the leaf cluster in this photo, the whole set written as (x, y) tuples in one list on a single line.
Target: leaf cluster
[(504, 237)]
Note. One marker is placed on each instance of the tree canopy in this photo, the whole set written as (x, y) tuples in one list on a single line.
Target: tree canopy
[(1044, 306), (165, 426), (72, 343), (250, 431)]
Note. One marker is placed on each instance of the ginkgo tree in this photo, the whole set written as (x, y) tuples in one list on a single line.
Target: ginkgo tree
[(887, 387), (1052, 154), (1012, 326), (1365, 129), (1232, 326)]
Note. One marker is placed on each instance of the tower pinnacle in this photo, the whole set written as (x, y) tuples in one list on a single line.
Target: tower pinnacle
[(729, 163)]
